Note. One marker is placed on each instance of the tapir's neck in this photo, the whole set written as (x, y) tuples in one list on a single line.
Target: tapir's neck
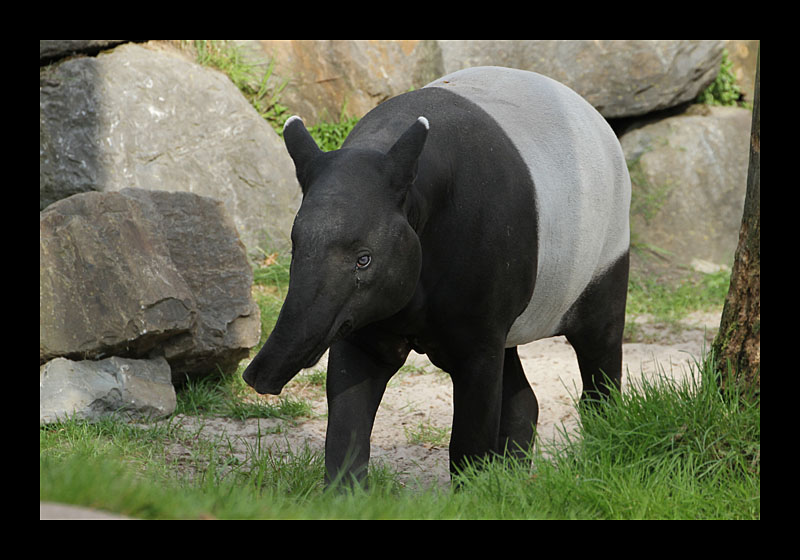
[(416, 209), (428, 195)]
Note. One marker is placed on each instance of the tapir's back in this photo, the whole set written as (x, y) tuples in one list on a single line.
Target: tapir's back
[(580, 178)]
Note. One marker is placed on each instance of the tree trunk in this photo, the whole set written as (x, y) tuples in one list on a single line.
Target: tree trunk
[(737, 345)]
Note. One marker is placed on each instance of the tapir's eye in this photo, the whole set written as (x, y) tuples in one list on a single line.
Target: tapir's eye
[(363, 261)]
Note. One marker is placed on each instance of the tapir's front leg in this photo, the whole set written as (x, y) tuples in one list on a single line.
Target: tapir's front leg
[(355, 384), (477, 404)]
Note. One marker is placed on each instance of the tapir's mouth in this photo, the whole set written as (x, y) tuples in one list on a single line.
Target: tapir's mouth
[(345, 329), (267, 376), (314, 359)]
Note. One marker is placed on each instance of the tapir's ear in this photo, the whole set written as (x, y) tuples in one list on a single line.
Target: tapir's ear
[(301, 147), (407, 149)]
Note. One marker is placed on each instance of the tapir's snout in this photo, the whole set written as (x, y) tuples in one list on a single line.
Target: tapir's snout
[(276, 364), (298, 341), (264, 384), (264, 388)]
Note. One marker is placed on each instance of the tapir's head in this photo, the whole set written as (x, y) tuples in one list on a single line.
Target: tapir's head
[(355, 258)]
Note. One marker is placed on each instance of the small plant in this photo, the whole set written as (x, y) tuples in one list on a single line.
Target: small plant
[(427, 434), (723, 90), (255, 86), (330, 136)]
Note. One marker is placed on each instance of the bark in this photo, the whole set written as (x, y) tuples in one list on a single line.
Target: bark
[(737, 346)]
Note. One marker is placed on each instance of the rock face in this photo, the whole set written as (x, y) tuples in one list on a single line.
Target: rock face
[(323, 76), (143, 118), (620, 78), (107, 282), (90, 390), (690, 175), (139, 273)]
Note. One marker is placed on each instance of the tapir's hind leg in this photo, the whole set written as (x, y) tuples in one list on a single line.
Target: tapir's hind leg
[(520, 408), (594, 328)]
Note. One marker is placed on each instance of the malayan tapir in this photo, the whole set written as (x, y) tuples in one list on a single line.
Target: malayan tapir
[(485, 210)]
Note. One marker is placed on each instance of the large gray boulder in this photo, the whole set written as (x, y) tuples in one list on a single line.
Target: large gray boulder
[(140, 273), (619, 78), (689, 175), (91, 390), (211, 259), (145, 118), (107, 281)]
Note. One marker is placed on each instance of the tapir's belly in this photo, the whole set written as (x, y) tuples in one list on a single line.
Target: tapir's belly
[(581, 182)]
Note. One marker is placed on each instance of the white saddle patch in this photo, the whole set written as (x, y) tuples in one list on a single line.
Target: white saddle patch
[(580, 178)]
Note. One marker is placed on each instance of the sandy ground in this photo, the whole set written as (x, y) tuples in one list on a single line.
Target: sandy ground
[(422, 395)]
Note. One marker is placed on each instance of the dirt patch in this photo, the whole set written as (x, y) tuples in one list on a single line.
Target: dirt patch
[(417, 406)]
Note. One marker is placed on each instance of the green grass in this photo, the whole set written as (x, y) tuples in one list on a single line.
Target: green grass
[(230, 397), (663, 306), (669, 450), (669, 303), (664, 450), (425, 433)]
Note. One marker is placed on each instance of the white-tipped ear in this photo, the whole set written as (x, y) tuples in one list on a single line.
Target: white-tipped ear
[(301, 146), (291, 119), (408, 148)]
